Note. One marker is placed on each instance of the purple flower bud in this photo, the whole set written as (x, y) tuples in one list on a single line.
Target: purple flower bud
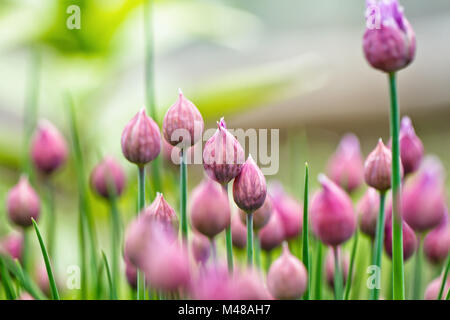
[(108, 178), (48, 148), (409, 237), (423, 197), (287, 277), (389, 42), (437, 242), (411, 147), (367, 210), (344, 260), (249, 187), (201, 247), (346, 165), (223, 156), (238, 232), (272, 234), (432, 291), (138, 238), (12, 245), (250, 286), (378, 167), (23, 203), (214, 283), (130, 273), (183, 123), (141, 140), (210, 209), (332, 216), (162, 212), (261, 216), (290, 211)]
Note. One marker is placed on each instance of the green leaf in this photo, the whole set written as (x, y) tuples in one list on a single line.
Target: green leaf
[(6, 281), (112, 289)]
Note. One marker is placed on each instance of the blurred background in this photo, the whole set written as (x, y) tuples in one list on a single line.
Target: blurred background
[(297, 66)]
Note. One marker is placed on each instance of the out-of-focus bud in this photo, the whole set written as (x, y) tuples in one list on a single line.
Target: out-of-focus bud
[(42, 280), (367, 210), (344, 260), (437, 242), (141, 139), (223, 156), (238, 232), (287, 277), (162, 212), (290, 211), (272, 234), (201, 247), (130, 273), (25, 296), (332, 216), (249, 187), (250, 286), (409, 237), (210, 209), (432, 291), (138, 238), (423, 197), (23, 203), (12, 245), (214, 283), (345, 167), (261, 216), (108, 178), (389, 41), (183, 123), (378, 167), (48, 148), (411, 147)]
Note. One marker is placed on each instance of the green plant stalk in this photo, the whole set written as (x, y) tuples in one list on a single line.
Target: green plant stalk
[(348, 284), (448, 295), (229, 239), (51, 218), (6, 281), (115, 242), (250, 239), (26, 250), (183, 196), (337, 275), (83, 256), (318, 272), (112, 288), (378, 244), (141, 205), (444, 279), (51, 278), (397, 231), (257, 250), (417, 282), (305, 234)]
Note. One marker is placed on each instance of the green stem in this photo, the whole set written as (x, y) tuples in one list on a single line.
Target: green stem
[(83, 256), (183, 196), (112, 288), (257, 250), (417, 284), (337, 275), (378, 244), (51, 278), (318, 272), (115, 242), (141, 205), (250, 239), (397, 232), (6, 281), (305, 233), (228, 239), (444, 278), (348, 284), (26, 250)]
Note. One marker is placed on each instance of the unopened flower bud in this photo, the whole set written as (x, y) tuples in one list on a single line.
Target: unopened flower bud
[(183, 123), (287, 277), (23, 203), (411, 147), (12, 245), (48, 148), (108, 178), (130, 273), (249, 285), (141, 140), (409, 237), (238, 232), (249, 187), (223, 156), (261, 216), (367, 210), (437, 242), (201, 247), (332, 216), (162, 212), (432, 291), (290, 211), (272, 234)]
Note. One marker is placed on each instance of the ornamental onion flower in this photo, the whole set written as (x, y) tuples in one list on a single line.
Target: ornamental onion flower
[(261, 216), (12, 245), (367, 210), (238, 232), (23, 204), (201, 247), (273, 233), (410, 241), (108, 178), (432, 291), (411, 147), (162, 212), (290, 212), (437, 242)]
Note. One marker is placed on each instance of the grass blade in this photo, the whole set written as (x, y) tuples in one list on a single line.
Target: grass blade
[(318, 272), (6, 281), (348, 285), (51, 278), (112, 289), (444, 278), (305, 234)]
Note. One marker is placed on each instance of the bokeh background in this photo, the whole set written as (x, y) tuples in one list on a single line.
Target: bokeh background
[(293, 65)]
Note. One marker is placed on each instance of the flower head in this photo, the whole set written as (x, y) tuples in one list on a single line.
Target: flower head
[(437, 242), (108, 178), (238, 232), (141, 140), (12, 245), (161, 211), (389, 41), (367, 210), (201, 247), (23, 203), (409, 237), (272, 234), (183, 123), (223, 156), (411, 147), (261, 216), (432, 290), (290, 212)]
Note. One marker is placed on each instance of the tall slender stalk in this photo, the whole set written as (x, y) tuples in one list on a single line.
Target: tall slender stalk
[(337, 274), (348, 284), (318, 272), (183, 196), (257, 250), (378, 244), (112, 288), (141, 205), (417, 282), (250, 239), (6, 281), (115, 242), (305, 234), (397, 232), (444, 278), (228, 238)]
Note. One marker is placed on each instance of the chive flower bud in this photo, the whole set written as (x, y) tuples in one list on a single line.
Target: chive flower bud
[(238, 232), (290, 211), (162, 212), (411, 147), (273, 233), (261, 216), (201, 247), (367, 210), (432, 290), (12, 245), (409, 237), (108, 178), (437, 242), (23, 203)]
